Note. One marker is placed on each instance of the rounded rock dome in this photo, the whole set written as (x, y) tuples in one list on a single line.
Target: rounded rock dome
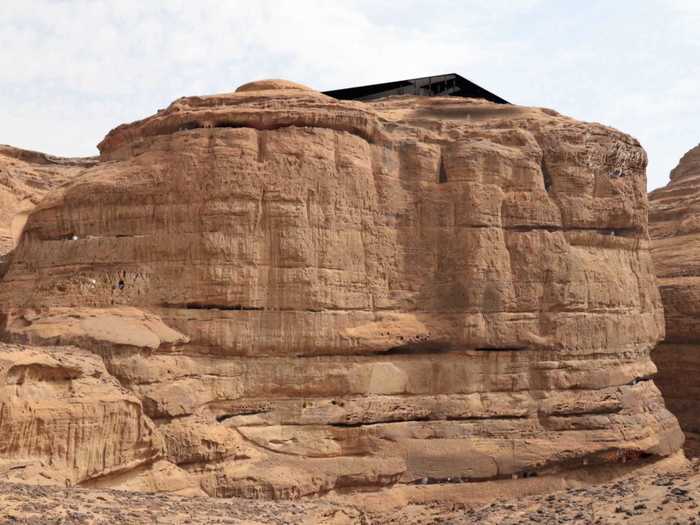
[(272, 84)]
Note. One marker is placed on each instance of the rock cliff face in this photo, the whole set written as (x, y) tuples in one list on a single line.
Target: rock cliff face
[(674, 220), (52, 402), (25, 177), (307, 294), (64, 420)]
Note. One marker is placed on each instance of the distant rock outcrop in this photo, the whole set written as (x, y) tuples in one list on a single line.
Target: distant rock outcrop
[(25, 176), (333, 294), (674, 226)]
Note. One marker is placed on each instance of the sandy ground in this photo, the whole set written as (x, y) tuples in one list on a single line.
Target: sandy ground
[(38, 505)]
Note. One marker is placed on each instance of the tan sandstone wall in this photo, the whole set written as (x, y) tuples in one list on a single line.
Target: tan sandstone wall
[(63, 418), (313, 294), (25, 177), (674, 220)]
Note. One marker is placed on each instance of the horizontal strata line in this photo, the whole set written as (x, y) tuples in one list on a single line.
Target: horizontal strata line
[(422, 419), (426, 348), (426, 419), (543, 421), (358, 398), (207, 306), (602, 411), (517, 315), (632, 356), (603, 231), (224, 417), (238, 307), (251, 122), (621, 232)]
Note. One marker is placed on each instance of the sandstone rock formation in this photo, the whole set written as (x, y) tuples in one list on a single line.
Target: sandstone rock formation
[(65, 420), (664, 492), (25, 177), (313, 294), (674, 220)]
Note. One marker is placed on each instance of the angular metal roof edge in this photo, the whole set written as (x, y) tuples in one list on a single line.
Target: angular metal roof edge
[(488, 95)]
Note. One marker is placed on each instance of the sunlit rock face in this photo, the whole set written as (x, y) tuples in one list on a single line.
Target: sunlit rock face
[(340, 294), (674, 221), (25, 177), (52, 401)]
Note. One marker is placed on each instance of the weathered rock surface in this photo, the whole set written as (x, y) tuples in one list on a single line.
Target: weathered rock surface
[(52, 401), (663, 493), (674, 220), (25, 177), (65, 420), (352, 295)]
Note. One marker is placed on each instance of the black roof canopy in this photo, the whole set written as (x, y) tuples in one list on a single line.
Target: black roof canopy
[(451, 85)]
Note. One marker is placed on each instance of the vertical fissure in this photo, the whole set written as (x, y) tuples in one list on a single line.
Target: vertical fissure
[(442, 172)]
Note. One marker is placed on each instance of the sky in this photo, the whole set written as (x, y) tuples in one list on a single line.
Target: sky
[(72, 70)]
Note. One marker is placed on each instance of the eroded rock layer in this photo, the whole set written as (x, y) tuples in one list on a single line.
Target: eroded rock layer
[(25, 177), (674, 221), (52, 404), (339, 294)]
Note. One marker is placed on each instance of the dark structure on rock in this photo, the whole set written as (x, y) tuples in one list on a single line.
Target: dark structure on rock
[(451, 85)]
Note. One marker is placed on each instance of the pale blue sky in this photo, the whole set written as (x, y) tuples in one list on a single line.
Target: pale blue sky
[(72, 70)]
